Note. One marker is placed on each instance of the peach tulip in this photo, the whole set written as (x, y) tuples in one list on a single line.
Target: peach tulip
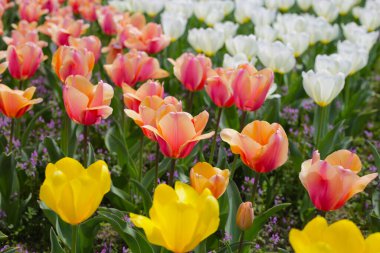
[(31, 10), (91, 43), (24, 32), (137, 20), (69, 61), (178, 132), (134, 67), (14, 103), (24, 60), (151, 109), (149, 39), (263, 147), (250, 87), (107, 19), (191, 70), (112, 50), (85, 103), (133, 98), (245, 216), (218, 87), (333, 181), (203, 176)]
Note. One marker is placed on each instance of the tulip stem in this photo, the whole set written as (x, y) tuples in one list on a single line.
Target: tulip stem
[(156, 166), (191, 99), (322, 125), (255, 187), (11, 135), (242, 120), (85, 146), (141, 156), (213, 145), (171, 174), (74, 234), (241, 242)]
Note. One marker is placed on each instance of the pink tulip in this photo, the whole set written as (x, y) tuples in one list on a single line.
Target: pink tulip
[(192, 70), (85, 103), (330, 183), (134, 67), (133, 98), (107, 20), (24, 60), (218, 87), (24, 32), (91, 43), (250, 87), (112, 50), (31, 10)]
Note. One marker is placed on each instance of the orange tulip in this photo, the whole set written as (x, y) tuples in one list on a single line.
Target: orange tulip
[(88, 10), (192, 70), (133, 98), (149, 39), (30, 10), (151, 109), (178, 132), (218, 87), (24, 60), (69, 61), (263, 147), (91, 43), (245, 216), (85, 103), (134, 67), (333, 181), (203, 176), (14, 103), (250, 87)]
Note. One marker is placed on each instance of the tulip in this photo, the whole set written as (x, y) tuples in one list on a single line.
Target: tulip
[(341, 236), (191, 70), (250, 87), (113, 49), (173, 25), (304, 4), (91, 43), (24, 32), (333, 64), (85, 103), (246, 44), (299, 42), (263, 147), (344, 6), (359, 35), (323, 87), (219, 87), (333, 181), (290, 23), (326, 9), (203, 176), (178, 132), (245, 216), (107, 21), (328, 32), (206, 41), (73, 192), (283, 5), (87, 10), (69, 61), (14, 103), (355, 54), (276, 56), (228, 28), (180, 218), (262, 16), (237, 60), (266, 33), (245, 8), (60, 29), (149, 39), (151, 109), (134, 67), (207, 12), (182, 7), (31, 10), (24, 60), (370, 18), (133, 98)]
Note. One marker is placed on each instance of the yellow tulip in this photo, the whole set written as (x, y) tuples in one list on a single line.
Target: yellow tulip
[(74, 192), (340, 237), (180, 218)]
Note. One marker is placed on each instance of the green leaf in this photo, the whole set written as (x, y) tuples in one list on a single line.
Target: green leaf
[(53, 149), (30, 126), (11, 250), (3, 143), (148, 179), (90, 155), (3, 236), (375, 154), (8, 175), (260, 221), (120, 199), (327, 144), (234, 246), (234, 200), (147, 200), (54, 243)]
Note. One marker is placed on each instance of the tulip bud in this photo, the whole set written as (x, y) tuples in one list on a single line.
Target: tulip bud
[(245, 216)]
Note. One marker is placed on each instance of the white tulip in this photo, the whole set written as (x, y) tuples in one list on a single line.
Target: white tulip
[(370, 18), (245, 8), (173, 25), (288, 23), (180, 7), (271, 93), (121, 5), (326, 9), (359, 35), (282, 5), (207, 41), (262, 16), (329, 32), (236, 60), (245, 44), (322, 87), (208, 13), (304, 4), (344, 6), (333, 64), (299, 42), (357, 55), (276, 56), (227, 6), (228, 28), (151, 7), (266, 33)]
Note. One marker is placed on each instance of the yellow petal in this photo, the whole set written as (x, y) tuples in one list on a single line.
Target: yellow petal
[(315, 228), (100, 173), (372, 243), (70, 167), (299, 240), (153, 234)]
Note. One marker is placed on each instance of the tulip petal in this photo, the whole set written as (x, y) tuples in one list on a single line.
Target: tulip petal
[(99, 172), (70, 167), (346, 159), (153, 234), (372, 243), (361, 183)]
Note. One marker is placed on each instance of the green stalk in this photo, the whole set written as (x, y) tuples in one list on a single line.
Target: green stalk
[(74, 229), (172, 169), (85, 144), (213, 145), (11, 135), (141, 156), (322, 124), (241, 242), (156, 166), (255, 187)]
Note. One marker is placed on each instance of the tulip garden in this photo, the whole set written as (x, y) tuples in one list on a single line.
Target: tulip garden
[(152, 126)]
